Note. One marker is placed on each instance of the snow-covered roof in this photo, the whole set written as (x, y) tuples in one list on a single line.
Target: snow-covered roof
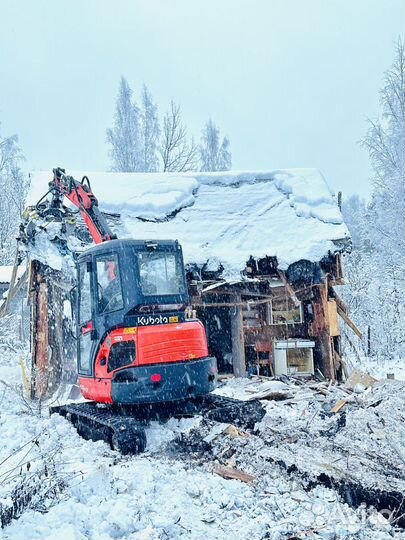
[(223, 217), (6, 272)]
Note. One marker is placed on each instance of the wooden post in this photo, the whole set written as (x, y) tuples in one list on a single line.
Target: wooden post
[(39, 332), (42, 342), (238, 341), (320, 329)]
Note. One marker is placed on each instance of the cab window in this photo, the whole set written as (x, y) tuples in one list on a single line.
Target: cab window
[(109, 290), (161, 273), (85, 294)]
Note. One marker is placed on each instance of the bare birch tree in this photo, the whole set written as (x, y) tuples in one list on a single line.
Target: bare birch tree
[(178, 152)]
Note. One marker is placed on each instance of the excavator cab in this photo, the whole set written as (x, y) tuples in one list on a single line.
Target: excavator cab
[(135, 343)]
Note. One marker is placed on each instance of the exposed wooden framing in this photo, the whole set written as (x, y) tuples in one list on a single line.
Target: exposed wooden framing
[(277, 331), (238, 341), (319, 303), (196, 302)]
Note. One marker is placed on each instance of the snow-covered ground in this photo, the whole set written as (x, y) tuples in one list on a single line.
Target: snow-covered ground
[(84, 490), (381, 368)]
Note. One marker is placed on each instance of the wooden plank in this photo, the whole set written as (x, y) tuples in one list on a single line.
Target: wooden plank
[(41, 356), (339, 405), (233, 474), (340, 304), (349, 322), (333, 318)]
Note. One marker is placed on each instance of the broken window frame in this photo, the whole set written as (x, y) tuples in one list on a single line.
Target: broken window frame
[(288, 299)]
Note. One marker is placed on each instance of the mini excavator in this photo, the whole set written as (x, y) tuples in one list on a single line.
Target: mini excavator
[(136, 344)]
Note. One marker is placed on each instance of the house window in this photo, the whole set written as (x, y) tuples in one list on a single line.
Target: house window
[(299, 361), (292, 357), (285, 311)]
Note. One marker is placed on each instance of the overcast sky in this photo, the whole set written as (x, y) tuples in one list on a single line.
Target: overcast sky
[(290, 82)]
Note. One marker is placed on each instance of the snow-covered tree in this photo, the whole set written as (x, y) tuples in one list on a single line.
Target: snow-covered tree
[(354, 210), (214, 155), (178, 152), (385, 142), (13, 186), (150, 132), (376, 269), (125, 137)]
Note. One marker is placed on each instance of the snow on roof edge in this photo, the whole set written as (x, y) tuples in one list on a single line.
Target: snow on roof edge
[(224, 216)]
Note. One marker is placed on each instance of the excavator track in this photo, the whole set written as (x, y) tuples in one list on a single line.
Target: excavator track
[(123, 433), (123, 427)]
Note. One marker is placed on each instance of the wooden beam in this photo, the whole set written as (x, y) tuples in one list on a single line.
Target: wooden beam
[(340, 303), (278, 331), (339, 405), (320, 329), (238, 340), (233, 474), (349, 322)]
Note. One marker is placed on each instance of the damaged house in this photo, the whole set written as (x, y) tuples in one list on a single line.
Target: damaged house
[(263, 254)]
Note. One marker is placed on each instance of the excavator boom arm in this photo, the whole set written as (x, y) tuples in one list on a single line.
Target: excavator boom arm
[(81, 195)]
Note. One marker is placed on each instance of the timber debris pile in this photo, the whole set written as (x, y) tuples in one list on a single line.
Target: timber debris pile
[(349, 437)]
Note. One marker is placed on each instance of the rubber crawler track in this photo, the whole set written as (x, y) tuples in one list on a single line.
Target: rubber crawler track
[(123, 427)]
